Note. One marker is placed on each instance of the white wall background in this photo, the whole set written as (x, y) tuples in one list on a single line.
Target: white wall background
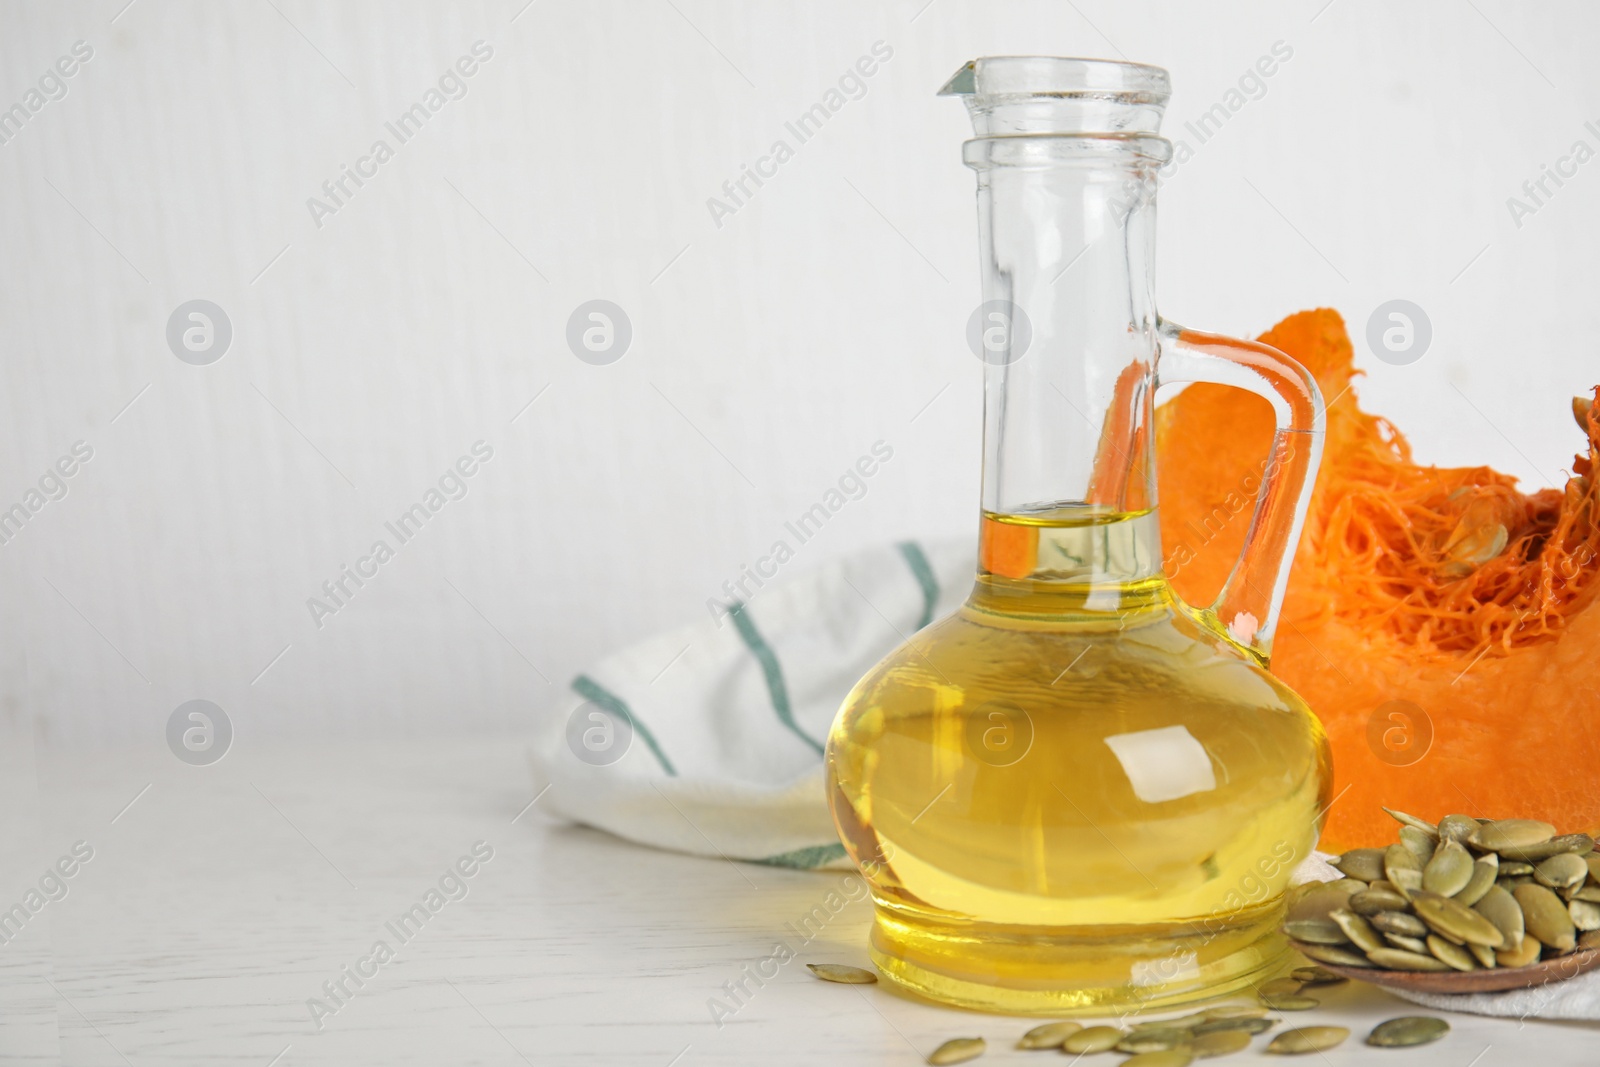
[(767, 355)]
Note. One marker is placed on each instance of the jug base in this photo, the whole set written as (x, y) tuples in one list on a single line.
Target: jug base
[(1084, 971)]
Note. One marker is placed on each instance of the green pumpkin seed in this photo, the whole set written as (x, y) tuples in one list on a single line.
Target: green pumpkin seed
[(958, 1050), (1410, 944), (1408, 1030), (1250, 1026), (1511, 833), (839, 972), (1357, 929), (1546, 917), (1589, 939), (1500, 908), (1178, 1057), (1412, 821), (1449, 871), (1585, 916), (1154, 1040), (1315, 903), (1484, 955), (1339, 956), (1234, 1011), (1278, 987), (1593, 860), (1372, 900), (1455, 920), (1484, 872), (1409, 883), (1591, 893), (1569, 844), (1290, 1002), (1315, 931), (1526, 952), (1220, 1043), (1455, 955), (1315, 976), (1457, 828), (1093, 1039), (1564, 871), (1050, 1035), (1419, 844), (1514, 868), (1396, 959), (1365, 864), (1399, 922), (1308, 1039)]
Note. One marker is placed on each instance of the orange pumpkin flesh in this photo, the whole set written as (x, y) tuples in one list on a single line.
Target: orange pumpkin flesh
[(1441, 623)]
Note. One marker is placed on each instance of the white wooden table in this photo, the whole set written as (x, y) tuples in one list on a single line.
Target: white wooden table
[(223, 898)]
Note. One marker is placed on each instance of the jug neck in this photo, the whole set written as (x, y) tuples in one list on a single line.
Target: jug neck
[(1067, 158)]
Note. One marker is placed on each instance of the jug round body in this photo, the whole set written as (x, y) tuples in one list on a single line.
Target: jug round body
[(1075, 811)]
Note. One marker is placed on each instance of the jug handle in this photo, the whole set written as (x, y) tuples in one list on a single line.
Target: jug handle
[(1247, 608)]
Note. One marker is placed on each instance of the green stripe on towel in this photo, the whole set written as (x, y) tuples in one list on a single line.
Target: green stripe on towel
[(776, 689), (591, 690), (805, 859), (922, 570)]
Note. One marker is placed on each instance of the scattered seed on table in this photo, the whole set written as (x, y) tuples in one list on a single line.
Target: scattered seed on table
[(1315, 976), (1290, 1002), (1093, 1039), (1250, 1025), (1235, 1011), (1154, 1040), (958, 1050), (1177, 1057), (839, 972), (1308, 1039), (1050, 1035), (1279, 987), (1220, 1043), (1408, 1030)]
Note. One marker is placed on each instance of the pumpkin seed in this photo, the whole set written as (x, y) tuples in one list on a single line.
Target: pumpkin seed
[(1546, 917), (1455, 955), (1220, 1043), (1290, 1002), (1457, 828), (1450, 869), (1514, 868), (1315, 931), (1419, 844), (1250, 1026), (1399, 922), (1315, 976), (1407, 882), (958, 1050), (1585, 916), (1093, 1039), (1483, 954), (1569, 844), (1412, 821), (1178, 1057), (1278, 987), (1315, 903), (1363, 863), (1410, 944), (1484, 871), (1564, 871), (1357, 929), (1234, 1011), (1591, 893), (1589, 939), (1395, 959), (1526, 952), (1593, 860), (1374, 899), (1308, 1039), (1399, 857), (1337, 955), (1455, 920), (839, 972), (1408, 1030), (1500, 908), (1510, 884), (1154, 1040), (1511, 833), (1050, 1035)]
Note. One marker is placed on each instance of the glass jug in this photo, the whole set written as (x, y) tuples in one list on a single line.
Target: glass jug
[(1078, 794)]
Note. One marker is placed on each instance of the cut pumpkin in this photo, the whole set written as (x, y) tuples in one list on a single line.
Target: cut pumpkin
[(1440, 622)]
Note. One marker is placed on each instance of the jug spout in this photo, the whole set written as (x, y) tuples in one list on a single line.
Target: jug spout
[(1012, 95)]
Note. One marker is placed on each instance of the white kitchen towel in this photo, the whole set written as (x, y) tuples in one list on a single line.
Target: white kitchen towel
[(708, 739)]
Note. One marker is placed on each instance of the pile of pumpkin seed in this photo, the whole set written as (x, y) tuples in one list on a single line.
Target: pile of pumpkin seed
[(1464, 895), (1215, 1031)]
